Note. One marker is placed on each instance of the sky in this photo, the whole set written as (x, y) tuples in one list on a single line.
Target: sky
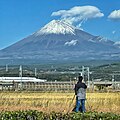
[(20, 18)]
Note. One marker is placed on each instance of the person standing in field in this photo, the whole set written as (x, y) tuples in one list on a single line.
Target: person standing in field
[(80, 92)]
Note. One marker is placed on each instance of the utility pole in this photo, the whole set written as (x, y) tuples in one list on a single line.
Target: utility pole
[(83, 72), (35, 72), (86, 71), (6, 67), (20, 74), (88, 74), (113, 81)]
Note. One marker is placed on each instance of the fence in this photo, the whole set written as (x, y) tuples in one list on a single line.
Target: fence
[(40, 86), (52, 86)]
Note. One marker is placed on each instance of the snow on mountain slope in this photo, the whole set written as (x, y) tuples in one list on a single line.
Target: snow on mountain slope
[(57, 27), (72, 42), (117, 43)]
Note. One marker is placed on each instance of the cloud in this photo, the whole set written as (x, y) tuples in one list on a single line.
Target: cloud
[(115, 15), (72, 42), (79, 14)]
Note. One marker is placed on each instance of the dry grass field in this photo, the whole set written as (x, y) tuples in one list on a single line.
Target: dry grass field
[(59, 102)]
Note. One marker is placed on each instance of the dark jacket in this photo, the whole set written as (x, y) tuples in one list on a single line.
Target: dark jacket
[(80, 90)]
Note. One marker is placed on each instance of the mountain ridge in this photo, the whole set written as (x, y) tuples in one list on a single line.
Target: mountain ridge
[(60, 39)]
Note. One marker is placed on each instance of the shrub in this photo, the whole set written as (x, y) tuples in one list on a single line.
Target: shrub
[(36, 115)]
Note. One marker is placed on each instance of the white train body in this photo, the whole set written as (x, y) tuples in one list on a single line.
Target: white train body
[(21, 79)]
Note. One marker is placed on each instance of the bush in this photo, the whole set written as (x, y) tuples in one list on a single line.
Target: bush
[(36, 115)]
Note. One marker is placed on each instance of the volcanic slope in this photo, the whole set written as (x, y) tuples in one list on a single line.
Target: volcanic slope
[(61, 40)]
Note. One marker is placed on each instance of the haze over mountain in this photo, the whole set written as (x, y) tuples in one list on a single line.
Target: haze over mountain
[(59, 40)]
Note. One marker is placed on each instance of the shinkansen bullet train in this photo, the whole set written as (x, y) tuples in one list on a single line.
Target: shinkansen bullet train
[(21, 79)]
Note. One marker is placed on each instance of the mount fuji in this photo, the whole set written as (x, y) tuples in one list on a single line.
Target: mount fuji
[(59, 40)]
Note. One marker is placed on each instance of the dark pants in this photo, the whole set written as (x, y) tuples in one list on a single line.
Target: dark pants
[(80, 103)]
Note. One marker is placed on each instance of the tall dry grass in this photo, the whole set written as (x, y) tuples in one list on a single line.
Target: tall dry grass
[(59, 102)]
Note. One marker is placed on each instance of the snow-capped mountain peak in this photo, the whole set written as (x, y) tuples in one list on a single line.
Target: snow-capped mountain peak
[(57, 27)]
